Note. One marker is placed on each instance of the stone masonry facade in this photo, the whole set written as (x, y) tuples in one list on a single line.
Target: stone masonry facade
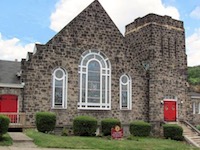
[(152, 53)]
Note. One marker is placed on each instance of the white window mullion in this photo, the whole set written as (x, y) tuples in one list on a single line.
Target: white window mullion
[(130, 101), (125, 81), (86, 86), (97, 90), (62, 93), (106, 87), (109, 100), (101, 87), (53, 97), (199, 108), (80, 88), (59, 75), (120, 94), (66, 87), (194, 108), (128, 96)]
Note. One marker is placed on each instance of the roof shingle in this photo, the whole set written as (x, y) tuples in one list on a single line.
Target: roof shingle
[(8, 71)]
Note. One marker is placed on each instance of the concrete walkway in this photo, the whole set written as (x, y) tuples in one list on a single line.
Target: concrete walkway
[(21, 140), (25, 148)]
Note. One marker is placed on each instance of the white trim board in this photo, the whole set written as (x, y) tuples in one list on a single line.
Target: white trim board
[(17, 86)]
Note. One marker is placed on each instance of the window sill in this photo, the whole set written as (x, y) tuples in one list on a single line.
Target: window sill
[(93, 108), (57, 108), (125, 109)]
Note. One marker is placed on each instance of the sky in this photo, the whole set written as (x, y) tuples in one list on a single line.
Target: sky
[(26, 22)]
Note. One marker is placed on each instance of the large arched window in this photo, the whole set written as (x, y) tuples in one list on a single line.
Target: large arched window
[(94, 81), (59, 99), (125, 92)]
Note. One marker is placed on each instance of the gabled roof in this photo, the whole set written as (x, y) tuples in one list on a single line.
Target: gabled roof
[(8, 72), (92, 20)]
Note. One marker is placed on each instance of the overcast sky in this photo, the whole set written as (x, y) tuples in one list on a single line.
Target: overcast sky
[(25, 22)]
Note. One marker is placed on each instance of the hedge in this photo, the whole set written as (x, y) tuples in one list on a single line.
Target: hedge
[(107, 124), (173, 131), (45, 121), (4, 124), (84, 126), (140, 128)]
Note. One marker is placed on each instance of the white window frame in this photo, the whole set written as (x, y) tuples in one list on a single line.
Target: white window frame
[(199, 108), (105, 73), (129, 92), (194, 108), (64, 89)]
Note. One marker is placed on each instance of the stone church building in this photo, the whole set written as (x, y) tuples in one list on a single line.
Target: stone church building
[(90, 68)]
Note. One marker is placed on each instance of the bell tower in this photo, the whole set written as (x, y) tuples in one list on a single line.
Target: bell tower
[(158, 43)]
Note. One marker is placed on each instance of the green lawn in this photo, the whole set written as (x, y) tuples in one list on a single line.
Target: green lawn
[(76, 142), (7, 141)]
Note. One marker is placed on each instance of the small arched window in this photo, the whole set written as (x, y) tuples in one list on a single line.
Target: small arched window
[(94, 81), (125, 92), (59, 99)]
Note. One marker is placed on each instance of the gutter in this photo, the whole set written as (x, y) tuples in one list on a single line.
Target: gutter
[(7, 85)]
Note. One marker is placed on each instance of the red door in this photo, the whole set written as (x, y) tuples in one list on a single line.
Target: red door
[(8, 104), (170, 111)]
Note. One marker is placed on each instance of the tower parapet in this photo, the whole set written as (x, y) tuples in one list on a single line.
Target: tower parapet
[(165, 21)]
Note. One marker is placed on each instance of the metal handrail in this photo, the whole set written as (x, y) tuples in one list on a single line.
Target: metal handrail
[(191, 126)]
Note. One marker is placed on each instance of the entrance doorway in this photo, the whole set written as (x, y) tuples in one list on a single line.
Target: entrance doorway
[(8, 104), (170, 110)]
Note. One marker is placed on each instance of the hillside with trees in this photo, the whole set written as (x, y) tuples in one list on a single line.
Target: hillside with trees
[(194, 78)]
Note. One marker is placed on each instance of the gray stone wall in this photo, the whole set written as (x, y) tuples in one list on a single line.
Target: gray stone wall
[(154, 40), (92, 29), (160, 42)]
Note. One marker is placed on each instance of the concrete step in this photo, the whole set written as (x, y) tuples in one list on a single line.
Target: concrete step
[(19, 137), (24, 144), (20, 140)]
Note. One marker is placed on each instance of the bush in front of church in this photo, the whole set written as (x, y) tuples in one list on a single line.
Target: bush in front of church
[(173, 131), (84, 126), (140, 128), (4, 124), (107, 124), (45, 121)]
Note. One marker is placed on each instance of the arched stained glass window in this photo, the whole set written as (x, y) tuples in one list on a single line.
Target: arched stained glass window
[(125, 92), (94, 81), (59, 99)]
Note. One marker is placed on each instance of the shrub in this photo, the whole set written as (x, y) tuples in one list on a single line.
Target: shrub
[(198, 127), (107, 124), (140, 128), (45, 121), (65, 132), (84, 126), (4, 124), (173, 131)]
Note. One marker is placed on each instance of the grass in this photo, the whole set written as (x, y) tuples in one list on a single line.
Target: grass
[(76, 142), (6, 141)]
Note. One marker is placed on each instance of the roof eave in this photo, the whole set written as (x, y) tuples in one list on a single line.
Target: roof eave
[(8, 85)]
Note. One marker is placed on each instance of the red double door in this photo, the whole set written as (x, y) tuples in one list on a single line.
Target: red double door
[(170, 110), (8, 104)]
